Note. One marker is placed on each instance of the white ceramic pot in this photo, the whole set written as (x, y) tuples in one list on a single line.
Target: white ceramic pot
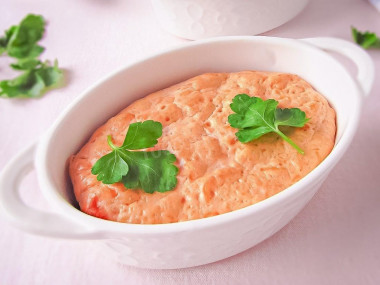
[(200, 19), (194, 242)]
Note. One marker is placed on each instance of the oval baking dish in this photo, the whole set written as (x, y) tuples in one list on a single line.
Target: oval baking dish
[(195, 242)]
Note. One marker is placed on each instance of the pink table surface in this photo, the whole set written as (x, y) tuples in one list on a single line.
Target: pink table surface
[(334, 240)]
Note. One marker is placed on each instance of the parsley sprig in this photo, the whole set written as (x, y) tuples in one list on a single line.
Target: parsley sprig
[(147, 170), (20, 42), (255, 117), (365, 39)]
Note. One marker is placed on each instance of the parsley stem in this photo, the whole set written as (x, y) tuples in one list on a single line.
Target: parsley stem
[(109, 140), (288, 140)]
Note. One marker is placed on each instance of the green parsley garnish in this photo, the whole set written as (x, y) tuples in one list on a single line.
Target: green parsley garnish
[(256, 117), (33, 82), (20, 42), (147, 170), (365, 39)]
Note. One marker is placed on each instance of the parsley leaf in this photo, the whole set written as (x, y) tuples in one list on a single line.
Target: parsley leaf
[(365, 39), (151, 171), (255, 117), (5, 40), (142, 135), (26, 64), (147, 170), (21, 40), (33, 82), (111, 167)]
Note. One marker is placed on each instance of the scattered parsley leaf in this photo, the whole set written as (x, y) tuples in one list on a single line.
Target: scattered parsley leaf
[(33, 82), (1, 48), (21, 42), (26, 64), (27, 84), (50, 74), (365, 39), (255, 117), (22, 39), (147, 170), (3, 45), (5, 40)]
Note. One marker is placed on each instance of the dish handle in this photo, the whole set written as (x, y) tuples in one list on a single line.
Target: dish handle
[(25, 217), (365, 66)]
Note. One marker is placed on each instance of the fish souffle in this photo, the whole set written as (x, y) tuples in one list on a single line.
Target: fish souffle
[(217, 173)]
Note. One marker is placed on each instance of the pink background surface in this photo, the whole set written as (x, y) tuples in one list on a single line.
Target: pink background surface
[(334, 240)]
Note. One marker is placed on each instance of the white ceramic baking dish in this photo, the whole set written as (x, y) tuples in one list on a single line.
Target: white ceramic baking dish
[(194, 242)]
